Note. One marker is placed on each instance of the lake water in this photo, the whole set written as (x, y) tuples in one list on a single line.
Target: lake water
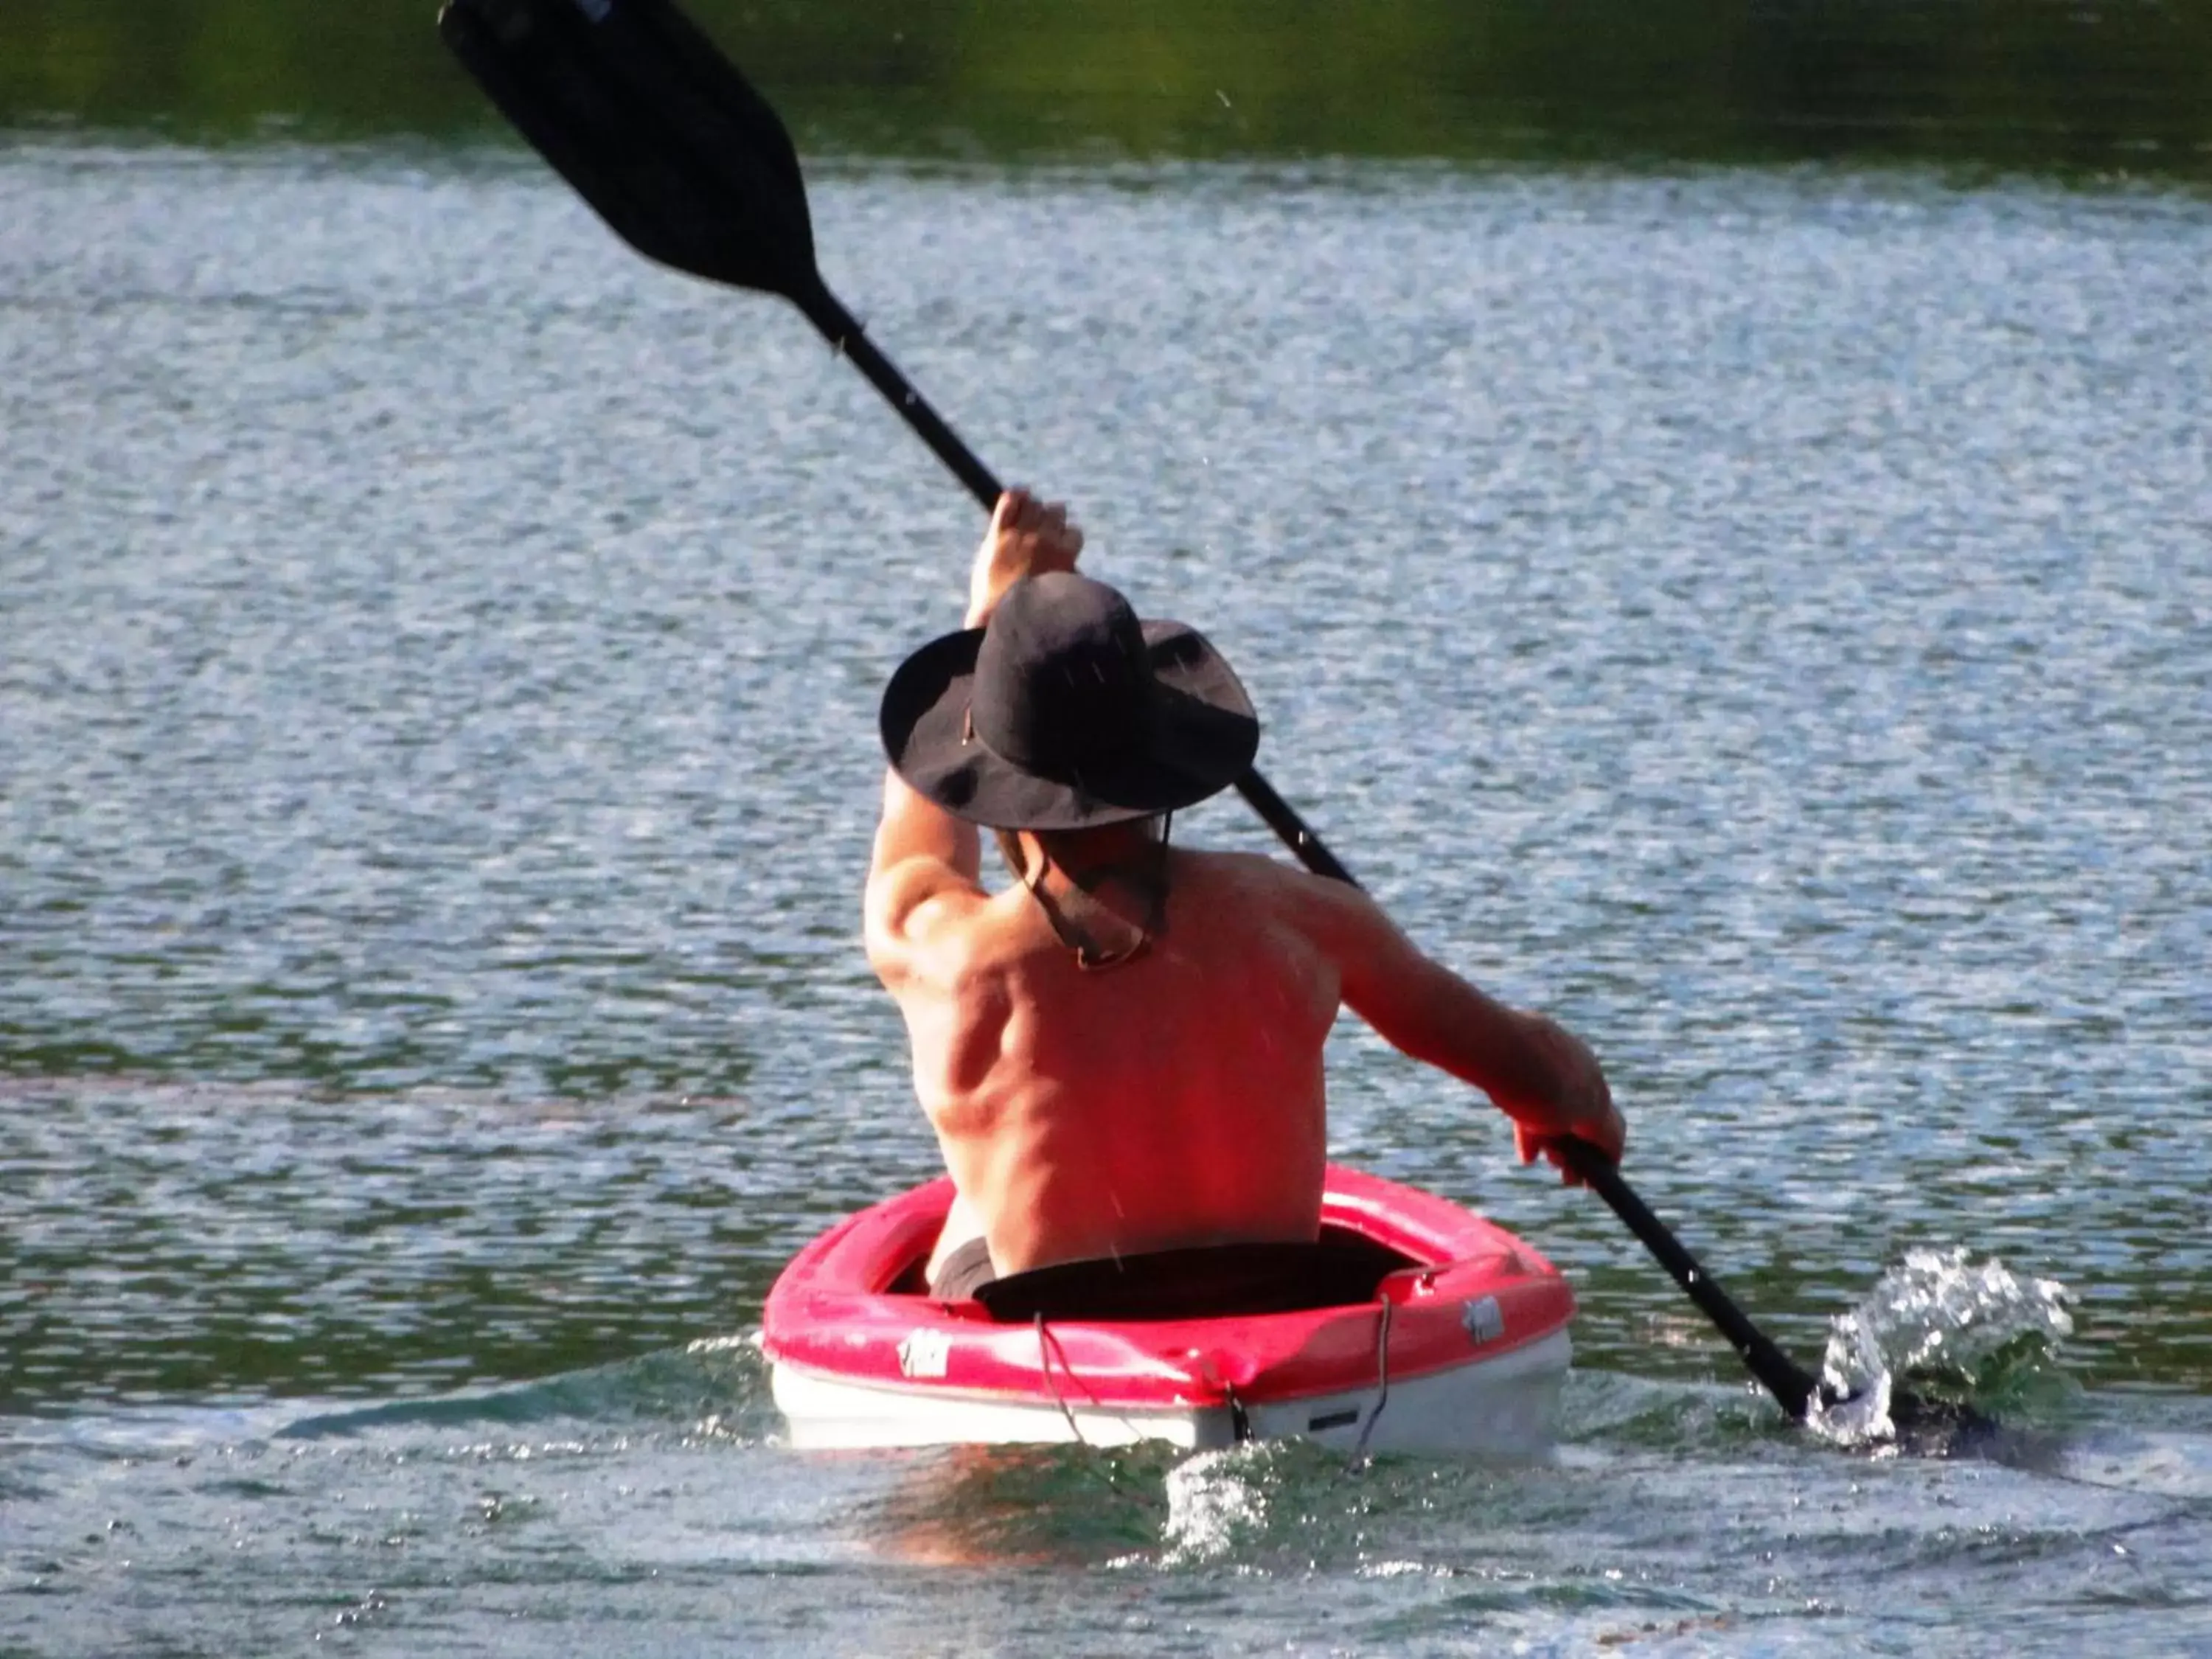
[(1765, 617)]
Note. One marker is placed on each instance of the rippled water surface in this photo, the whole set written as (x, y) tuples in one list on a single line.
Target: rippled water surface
[(1765, 617)]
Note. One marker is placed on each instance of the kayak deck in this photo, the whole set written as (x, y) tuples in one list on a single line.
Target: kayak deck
[(1461, 1346)]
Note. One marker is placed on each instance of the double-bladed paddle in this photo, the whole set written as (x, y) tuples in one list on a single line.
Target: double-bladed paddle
[(658, 131)]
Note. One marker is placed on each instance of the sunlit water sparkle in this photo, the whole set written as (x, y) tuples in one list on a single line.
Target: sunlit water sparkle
[(1766, 618)]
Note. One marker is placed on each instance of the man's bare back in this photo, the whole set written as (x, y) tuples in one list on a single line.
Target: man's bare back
[(1176, 1098)]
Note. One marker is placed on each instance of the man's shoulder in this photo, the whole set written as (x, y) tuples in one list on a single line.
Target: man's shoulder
[(922, 917), (1253, 872), (1330, 915), (1224, 860), (1251, 885)]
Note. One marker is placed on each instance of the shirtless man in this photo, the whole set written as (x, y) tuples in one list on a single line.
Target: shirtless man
[(1122, 1051)]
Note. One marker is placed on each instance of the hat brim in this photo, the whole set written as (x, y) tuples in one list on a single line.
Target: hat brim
[(1203, 739)]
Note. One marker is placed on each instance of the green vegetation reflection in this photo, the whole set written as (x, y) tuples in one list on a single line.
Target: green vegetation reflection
[(1978, 83)]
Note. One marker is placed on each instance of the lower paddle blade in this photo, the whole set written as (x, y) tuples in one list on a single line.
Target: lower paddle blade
[(653, 127), (1934, 1419)]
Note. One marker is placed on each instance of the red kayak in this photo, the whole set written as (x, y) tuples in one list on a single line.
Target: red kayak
[(1411, 1325)]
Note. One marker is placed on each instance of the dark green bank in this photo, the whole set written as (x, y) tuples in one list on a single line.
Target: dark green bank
[(2012, 85)]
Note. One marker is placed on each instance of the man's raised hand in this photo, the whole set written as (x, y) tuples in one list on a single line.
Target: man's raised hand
[(1027, 537)]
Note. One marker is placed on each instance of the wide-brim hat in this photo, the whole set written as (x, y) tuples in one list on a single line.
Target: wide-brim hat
[(1067, 712)]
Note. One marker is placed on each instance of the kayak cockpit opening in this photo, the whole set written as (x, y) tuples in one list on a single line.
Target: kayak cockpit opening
[(1339, 1269)]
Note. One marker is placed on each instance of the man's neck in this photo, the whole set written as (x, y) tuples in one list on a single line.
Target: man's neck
[(1104, 890), (1112, 847)]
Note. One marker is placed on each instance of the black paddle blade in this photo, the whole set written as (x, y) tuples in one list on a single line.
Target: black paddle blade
[(655, 129), (1934, 1427), (1929, 1422)]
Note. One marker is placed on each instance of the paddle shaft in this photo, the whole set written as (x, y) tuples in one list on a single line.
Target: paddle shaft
[(1782, 1377), (850, 341)]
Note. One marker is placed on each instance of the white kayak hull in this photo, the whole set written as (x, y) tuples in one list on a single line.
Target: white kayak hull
[(1505, 1408)]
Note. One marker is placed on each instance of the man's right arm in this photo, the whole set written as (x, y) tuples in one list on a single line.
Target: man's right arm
[(1539, 1074), (925, 881)]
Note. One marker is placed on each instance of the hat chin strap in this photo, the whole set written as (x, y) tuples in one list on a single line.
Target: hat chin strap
[(1090, 957)]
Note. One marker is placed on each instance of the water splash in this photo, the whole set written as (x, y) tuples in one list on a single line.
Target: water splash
[(1217, 1502), (1960, 1331)]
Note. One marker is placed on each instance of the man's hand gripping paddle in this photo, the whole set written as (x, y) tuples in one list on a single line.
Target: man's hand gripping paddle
[(658, 131)]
